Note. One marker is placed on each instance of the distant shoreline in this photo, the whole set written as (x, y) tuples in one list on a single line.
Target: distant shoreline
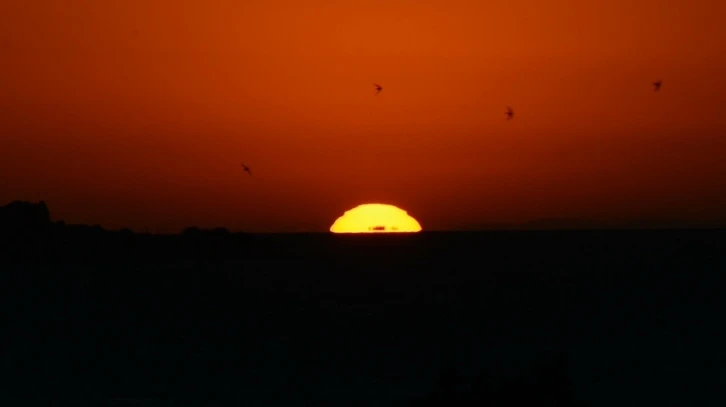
[(27, 216)]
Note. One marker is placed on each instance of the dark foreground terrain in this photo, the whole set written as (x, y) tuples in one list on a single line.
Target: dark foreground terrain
[(581, 318)]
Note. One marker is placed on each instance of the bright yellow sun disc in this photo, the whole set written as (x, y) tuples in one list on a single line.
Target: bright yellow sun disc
[(375, 218)]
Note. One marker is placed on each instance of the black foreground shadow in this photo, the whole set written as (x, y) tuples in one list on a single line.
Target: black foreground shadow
[(212, 318)]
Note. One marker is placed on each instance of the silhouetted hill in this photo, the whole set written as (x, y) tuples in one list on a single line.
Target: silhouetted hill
[(18, 215), (28, 235)]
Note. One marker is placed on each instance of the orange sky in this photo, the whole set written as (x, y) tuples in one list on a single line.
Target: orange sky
[(138, 113)]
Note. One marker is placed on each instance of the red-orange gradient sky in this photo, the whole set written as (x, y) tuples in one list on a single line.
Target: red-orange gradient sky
[(138, 113)]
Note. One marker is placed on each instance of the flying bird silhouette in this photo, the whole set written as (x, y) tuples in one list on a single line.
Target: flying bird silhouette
[(246, 169), (657, 84), (379, 88), (509, 113)]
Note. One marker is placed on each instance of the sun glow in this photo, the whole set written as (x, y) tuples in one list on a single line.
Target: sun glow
[(375, 218)]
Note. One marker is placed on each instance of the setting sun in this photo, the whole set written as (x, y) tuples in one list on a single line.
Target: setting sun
[(375, 218)]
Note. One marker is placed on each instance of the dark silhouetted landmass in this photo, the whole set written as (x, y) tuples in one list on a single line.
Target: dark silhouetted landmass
[(19, 216), (93, 317)]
